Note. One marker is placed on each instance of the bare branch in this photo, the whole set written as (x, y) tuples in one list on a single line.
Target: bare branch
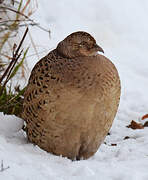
[(15, 57), (17, 12), (2, 168)]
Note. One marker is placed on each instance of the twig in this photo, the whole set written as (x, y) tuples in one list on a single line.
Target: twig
[(13, 20), (21, 42), (2, 167), (12, 67), (33, 44), (29, 24), (15, 57), (8, 57), (13, 10)]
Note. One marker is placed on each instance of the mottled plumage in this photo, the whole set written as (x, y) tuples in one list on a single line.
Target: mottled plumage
[(71, 98)]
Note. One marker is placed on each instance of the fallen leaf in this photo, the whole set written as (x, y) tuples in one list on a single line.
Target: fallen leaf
[(135, 125), (144, 117), (146, 124)]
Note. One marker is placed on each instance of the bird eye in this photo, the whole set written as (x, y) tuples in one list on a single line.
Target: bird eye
[(82, 44)]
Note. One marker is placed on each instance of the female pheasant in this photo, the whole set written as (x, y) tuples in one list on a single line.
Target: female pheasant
[(71, 98)]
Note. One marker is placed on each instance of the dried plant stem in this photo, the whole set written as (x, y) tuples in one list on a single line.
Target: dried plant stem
[(15, 57), (20, 13), (2, 167), (27, 3)]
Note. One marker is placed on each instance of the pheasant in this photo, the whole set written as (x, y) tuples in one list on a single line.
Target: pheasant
[(71, 98)]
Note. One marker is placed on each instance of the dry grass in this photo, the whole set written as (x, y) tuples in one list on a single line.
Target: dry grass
[(15, 16)]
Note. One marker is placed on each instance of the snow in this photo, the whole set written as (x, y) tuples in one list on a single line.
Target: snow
[(120, 27)]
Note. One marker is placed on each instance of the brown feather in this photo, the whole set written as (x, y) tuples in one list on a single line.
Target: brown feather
[(70, 103)]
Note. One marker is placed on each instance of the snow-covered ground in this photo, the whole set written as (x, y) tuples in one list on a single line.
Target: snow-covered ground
[(120, 27)]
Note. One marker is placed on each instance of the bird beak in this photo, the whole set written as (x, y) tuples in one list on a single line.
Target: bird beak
[(98, 48)]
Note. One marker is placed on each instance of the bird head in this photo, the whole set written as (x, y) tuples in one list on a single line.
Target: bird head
[(78, 44)]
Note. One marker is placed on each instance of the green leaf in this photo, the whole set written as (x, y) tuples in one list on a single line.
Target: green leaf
[(19, 65)]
